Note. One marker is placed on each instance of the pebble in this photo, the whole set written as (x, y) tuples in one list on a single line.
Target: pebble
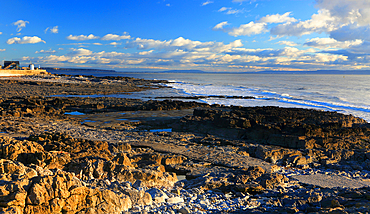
[(175, 200)]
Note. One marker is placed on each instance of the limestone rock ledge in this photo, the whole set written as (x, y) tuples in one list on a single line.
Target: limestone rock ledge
[(36, 190)]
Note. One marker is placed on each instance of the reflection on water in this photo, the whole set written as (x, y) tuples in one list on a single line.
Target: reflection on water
[(151, 94), (160, 130), (128, 120), (75, 113), (89, 121)]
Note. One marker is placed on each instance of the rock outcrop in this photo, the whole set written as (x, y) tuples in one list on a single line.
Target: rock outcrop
[(37, 190), (286, 127)]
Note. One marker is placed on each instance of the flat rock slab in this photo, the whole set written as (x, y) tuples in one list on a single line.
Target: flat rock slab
[(331, 181), (211, 155)]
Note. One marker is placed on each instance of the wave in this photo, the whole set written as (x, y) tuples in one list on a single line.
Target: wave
[(267, 96)]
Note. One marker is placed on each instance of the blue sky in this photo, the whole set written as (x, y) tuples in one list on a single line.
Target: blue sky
[(208, 35)]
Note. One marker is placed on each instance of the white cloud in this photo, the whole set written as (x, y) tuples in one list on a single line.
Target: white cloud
[(288, 43), (82, 37), (115, 43), (146, 52), (207, 2), (146, 43), (2, 50), (258, 27), (54, 29), (46, 51), (229, 10), (220, 26), (277, 18), (320, 57), (181, 44), (20, 24), (353, 11), (234, 11), (248, 29), (325, 43), (115, 37), (222, 9), (79, 52), (25, 40), (344, 20), (320, 22), (269, 52), (239, 1)]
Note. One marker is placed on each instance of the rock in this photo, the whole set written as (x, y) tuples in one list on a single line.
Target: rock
[(252, 173), (251, 188), (285, 127), (24, 151), (121, 158), (138, 197), (269, 181), (314, 197), (175, 200), (174, 159), (123, 147), (184, 210), (53, 193), (158, 195)]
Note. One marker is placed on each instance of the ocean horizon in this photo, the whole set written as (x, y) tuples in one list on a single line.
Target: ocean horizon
[(347, 94)]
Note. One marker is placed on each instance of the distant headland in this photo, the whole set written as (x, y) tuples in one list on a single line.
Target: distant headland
[(77, 69)]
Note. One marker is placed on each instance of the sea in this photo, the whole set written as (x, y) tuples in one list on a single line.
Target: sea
[(342, 93)]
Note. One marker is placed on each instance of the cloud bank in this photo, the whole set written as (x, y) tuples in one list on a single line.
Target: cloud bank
[(82, 37), (25, 40)]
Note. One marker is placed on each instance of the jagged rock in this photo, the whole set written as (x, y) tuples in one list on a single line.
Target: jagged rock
[(121, 158), (173, 159), (124, 147), (78, 148), (286, 127), (252, 173), (269, 181), (19, 150), (158, 195), (23, 190), (138, 197), (147, 176), (252, 188)]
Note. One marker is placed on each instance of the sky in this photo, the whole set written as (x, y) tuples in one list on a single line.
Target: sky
[(207, 35)]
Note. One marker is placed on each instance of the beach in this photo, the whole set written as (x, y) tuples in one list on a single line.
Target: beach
[(68, 146)]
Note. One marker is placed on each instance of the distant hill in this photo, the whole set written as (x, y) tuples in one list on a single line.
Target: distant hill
[(183, 71), (367, 72), (76, 69), (341, 72)]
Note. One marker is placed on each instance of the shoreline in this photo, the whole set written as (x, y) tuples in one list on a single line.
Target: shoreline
[(236, 159)]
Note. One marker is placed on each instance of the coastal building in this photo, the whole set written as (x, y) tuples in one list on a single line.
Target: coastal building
[(11, 65), (12, 68)]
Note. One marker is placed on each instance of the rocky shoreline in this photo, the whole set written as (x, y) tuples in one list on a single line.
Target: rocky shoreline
[(65, 154)]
